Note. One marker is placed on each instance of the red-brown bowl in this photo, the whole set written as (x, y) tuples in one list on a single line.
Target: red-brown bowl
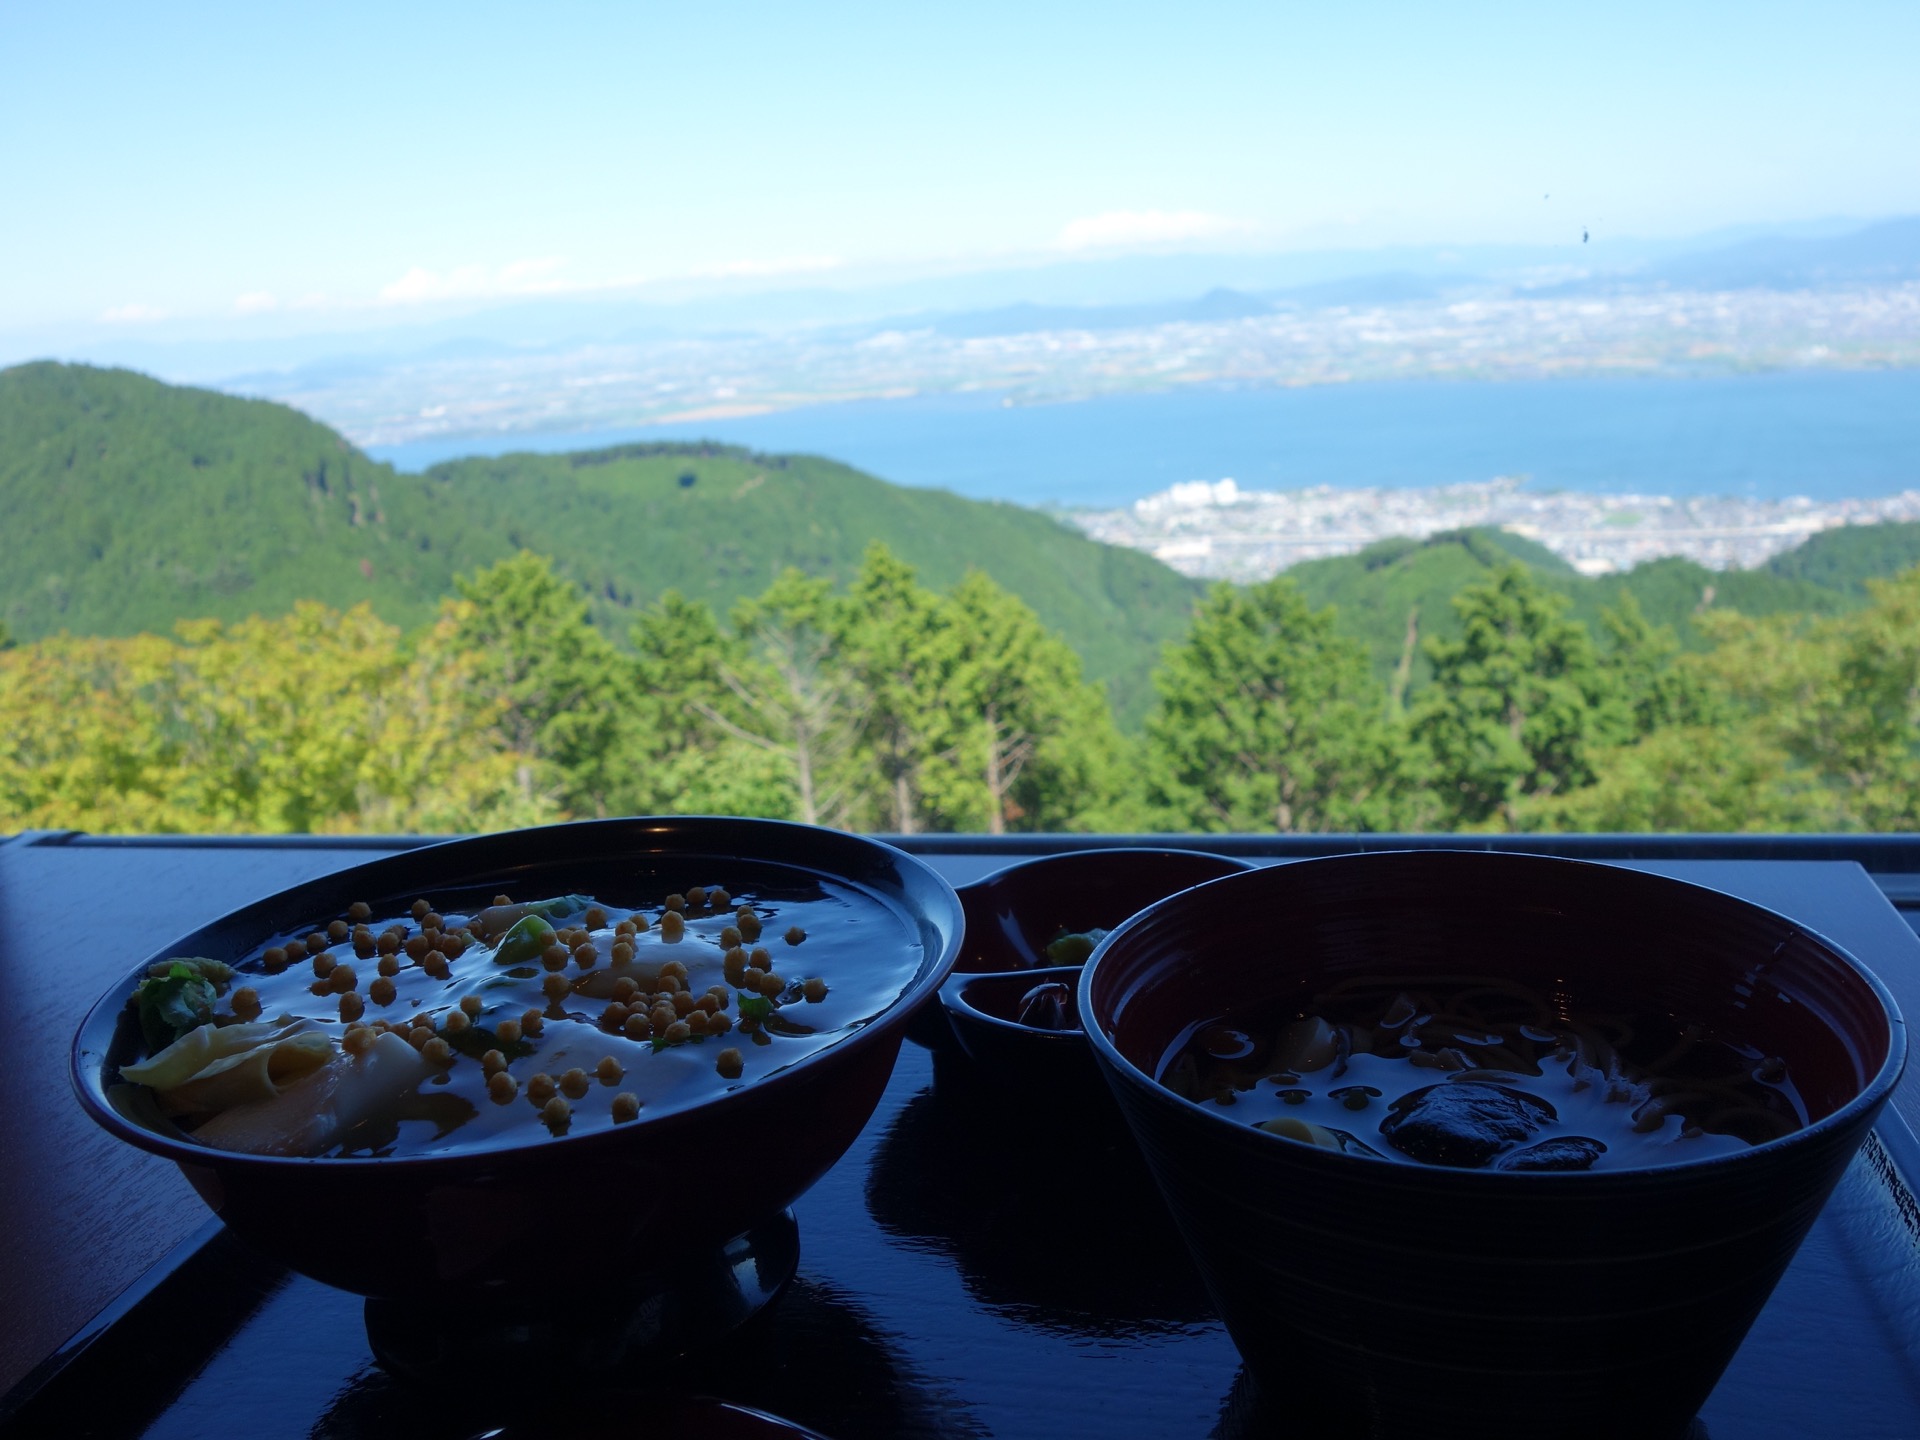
[(1014, 913), (1377, 1298), (984, 1012), (553, 1215)]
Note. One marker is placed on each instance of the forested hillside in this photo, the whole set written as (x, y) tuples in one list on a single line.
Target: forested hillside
[(1399, 590), (718, 524), (130, 505), (888, 705)]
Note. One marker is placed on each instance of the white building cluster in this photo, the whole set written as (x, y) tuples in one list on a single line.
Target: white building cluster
[(1216, 530)]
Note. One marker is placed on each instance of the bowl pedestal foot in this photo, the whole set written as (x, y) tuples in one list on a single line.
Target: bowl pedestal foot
[(609, 1335)]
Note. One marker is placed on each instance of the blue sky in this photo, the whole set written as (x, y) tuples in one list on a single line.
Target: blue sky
[(325, 166)]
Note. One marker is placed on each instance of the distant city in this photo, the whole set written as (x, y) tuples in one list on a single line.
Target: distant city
[(1217, 531), (496, 390)]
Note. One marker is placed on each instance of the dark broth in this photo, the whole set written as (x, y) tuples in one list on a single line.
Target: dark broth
[(1484, 1074)]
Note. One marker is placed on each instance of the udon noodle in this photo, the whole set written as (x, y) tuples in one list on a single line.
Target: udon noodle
[(1476, 1072), (425, 1031)]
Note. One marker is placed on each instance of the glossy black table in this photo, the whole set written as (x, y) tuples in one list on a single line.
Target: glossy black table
[(977, 1265)]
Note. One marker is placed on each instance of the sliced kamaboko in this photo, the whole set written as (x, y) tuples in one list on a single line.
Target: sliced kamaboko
[(253, 1075), (309, 1116), (209, 1050)]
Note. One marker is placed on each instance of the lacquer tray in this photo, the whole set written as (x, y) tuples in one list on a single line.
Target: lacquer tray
[(979, 1264)]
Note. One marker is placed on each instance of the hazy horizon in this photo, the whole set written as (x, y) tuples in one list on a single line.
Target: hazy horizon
[(327, 169), (231, 351)]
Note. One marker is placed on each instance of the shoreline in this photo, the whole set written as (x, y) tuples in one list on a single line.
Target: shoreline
[(1826, 434)]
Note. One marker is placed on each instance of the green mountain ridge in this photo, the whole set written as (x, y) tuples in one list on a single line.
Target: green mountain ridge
[(1376, 590), (718, 523), (130, 504)]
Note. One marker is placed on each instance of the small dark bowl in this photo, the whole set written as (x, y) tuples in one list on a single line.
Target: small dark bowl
[(983, 1011), (1365, 1293), (1013, 914), (493, 1224)]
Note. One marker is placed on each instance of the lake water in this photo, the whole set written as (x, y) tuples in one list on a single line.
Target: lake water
[(1825, 434)]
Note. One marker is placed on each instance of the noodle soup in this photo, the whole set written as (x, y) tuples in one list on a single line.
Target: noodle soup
[(1419, 1285), (1483, 1073), (465, 1023)]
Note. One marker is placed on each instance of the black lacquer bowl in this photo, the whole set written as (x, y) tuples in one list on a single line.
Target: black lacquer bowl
[(541, 1220), (1376, 1298)]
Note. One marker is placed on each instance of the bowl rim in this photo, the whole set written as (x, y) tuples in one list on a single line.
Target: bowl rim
[(88, 1064), (989, 900), (1104, 852), (1122, 1073)]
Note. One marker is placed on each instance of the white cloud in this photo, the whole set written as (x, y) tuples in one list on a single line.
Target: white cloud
[(420, 285), (1146, 227), (134, 314), (256, 301), (786, 265), (522, 277)]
